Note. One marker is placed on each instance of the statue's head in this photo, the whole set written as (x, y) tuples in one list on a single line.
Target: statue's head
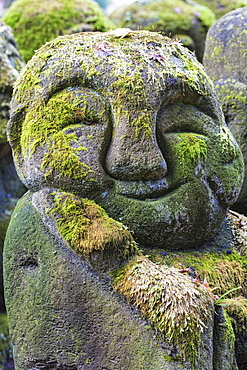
[(10, 65), (130, 120)]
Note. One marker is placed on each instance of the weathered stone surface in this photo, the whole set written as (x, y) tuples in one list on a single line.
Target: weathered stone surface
[(221, 7), (61, 312), (127, 121), (225, 62), (10, 65), (179, 19), (10, 186), (37, 21)]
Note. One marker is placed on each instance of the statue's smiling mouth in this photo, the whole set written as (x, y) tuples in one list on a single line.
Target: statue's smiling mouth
[(145, 190)]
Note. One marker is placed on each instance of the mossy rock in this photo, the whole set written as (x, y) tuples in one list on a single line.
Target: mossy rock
[(10, 65), (173, 18), (130, 120), (10, 186), (221, 7), (221, 266), (36, 22), (225, 63), (6, 357)]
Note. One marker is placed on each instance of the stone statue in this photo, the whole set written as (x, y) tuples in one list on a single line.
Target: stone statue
[(225, 62), (37, 21), (10, 186), (119, 138)]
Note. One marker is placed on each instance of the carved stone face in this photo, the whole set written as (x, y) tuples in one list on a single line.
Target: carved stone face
[(128, 119)]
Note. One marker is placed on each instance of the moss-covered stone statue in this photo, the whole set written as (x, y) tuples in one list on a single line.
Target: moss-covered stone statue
[(221, 7), (226, 63), (187, 21), (37, 21), (10, 186), (120, 139)]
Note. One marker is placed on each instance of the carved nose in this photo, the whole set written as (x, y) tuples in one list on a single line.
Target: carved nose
[(134, 160)]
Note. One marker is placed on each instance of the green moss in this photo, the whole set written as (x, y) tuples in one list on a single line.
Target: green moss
[(64, 161), (47, 126), (143, 124), (229, 336), (130, 87), (87, 228), (191, 149), (5, 342), (232, 95), (36, 22), (169, 300)]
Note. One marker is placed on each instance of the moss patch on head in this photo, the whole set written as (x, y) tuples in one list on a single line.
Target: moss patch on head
[(127, 64), (36, 22), (87, 228), (176, 306)]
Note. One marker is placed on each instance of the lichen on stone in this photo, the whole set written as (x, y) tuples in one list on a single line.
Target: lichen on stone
[(173, 18)]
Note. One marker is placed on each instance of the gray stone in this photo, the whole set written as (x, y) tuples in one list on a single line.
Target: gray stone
[(225, 62)]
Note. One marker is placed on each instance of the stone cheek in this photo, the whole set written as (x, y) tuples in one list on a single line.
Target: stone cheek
[(130, 120)]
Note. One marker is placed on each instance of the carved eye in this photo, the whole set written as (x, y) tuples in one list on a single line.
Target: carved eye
[(180, 117)]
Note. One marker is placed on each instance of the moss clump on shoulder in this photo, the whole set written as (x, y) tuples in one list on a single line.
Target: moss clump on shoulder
[(88, 229), (221, 269), (174, 305), (36, 22)]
